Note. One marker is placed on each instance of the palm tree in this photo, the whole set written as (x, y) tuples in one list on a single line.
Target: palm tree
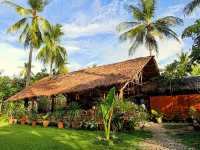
[(190, 7), (32, 26), (23, 71), (52, 53), (145, 29)]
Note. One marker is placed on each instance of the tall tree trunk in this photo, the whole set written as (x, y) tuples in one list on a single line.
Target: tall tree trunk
[(150, 52), (28, 78), (51, 68)]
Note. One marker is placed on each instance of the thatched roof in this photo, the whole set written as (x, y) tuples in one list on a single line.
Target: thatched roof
[(91, 78), (161, 86)]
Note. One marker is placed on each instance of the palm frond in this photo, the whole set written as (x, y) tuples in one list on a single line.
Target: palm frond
[(38, 5), (167, 32), (148, 8), (169, 21), (17, 26), (190, 7), (191, 30), (19, 9), (45, 25), (136, 12), (44, 55), (23, 35), (151, 43), (131, 34), (126, 25), (139, 40)]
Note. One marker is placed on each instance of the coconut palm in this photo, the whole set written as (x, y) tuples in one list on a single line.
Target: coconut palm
[(31, 26), (146, 29), (23, 71), (52, 53), (191, 7)]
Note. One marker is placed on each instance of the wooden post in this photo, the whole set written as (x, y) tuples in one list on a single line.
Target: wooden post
[(52, 103), (26, 103)]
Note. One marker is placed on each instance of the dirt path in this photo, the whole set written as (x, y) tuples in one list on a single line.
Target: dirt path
[(160, 140)]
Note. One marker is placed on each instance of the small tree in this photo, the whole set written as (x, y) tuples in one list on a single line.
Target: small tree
[(107, 111)]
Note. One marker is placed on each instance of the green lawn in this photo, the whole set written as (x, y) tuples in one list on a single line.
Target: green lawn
[(191, 139), (19, 137)]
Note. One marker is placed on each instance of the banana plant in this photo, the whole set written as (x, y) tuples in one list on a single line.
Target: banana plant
[(107, 111)]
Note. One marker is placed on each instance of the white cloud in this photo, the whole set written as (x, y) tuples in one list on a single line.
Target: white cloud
[(104, 20), (72, 49), (12, 59), (75, 30), (167, 50)]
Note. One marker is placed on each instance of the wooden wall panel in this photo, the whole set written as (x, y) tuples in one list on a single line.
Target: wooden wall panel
[(175, 106)]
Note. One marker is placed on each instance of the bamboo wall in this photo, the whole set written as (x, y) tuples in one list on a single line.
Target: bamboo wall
[(175, 106)]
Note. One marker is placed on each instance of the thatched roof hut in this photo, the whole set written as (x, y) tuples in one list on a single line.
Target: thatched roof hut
[(162, 86), (139, 69)]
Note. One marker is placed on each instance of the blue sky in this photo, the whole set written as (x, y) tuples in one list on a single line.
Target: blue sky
[(90, 33)]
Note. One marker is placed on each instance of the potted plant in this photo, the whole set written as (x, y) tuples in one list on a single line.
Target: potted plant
[(195, 116), (73, 113), (21, 114), (59, 115), (12, 114), (157, 116), (33, 118), (46, 119)]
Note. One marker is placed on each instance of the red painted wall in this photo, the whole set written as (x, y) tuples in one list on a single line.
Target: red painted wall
[(177, 105)]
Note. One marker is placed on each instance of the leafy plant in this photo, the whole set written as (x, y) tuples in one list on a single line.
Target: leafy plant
[(156, 115), (194, 114), (73, 110), (46, 117), (117, 121), (33, 115), (11, 109), (107, 112), (89, 125), (59, 114)]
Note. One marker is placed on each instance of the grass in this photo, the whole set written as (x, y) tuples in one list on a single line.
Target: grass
[(191, 139), (175, 125), (18, 137)]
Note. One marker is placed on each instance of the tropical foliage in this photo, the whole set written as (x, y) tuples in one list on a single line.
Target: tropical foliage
[(52, 53), (146, 29), (191, 6), (107, 112), (193, 32), (179, 68), (31, 25)]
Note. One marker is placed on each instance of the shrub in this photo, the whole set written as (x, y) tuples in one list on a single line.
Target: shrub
[(33, 115), (46, 117), (59, 114), (156, 115), (89, 124), (73, 110), (194, 114), (43, 105), (128, 115)]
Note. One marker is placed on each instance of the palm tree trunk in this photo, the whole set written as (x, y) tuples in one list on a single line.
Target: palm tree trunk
[(51, 68), (150, 52), (28, 78)]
